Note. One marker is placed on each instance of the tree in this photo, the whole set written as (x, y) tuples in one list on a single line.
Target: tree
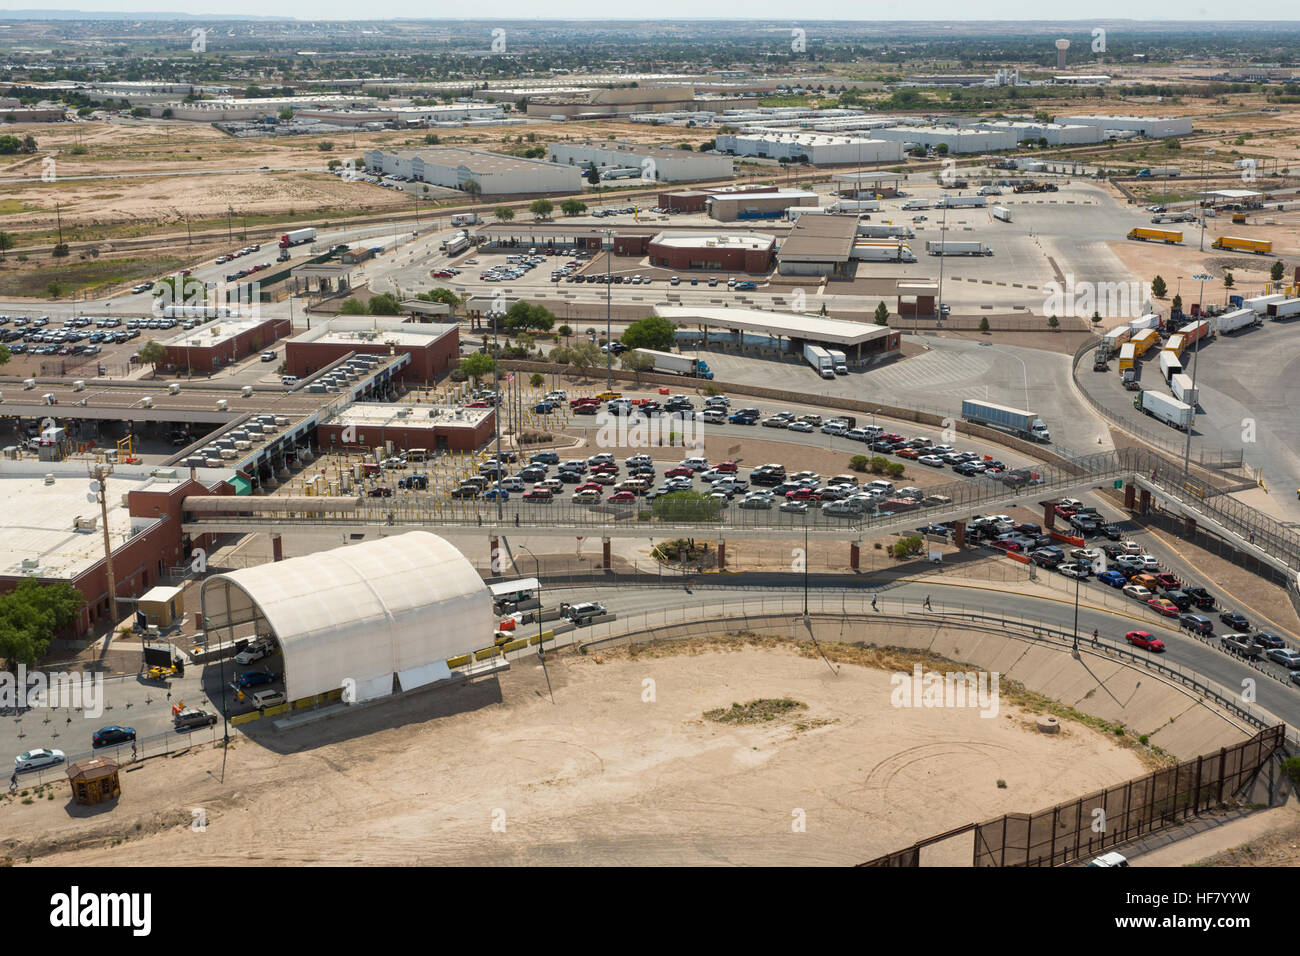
[(352, 306), (60, 250), (441, 295), (478, 366), (153, 353), (1177, 304), (5, 355), (524, 315), (1053, 323), (472, 187), (637, 362), (7, 243), (573, 207), (687, 506), (652, 332), (984, 323), (541, 208), (882, 313), (1228, 281), (286, 114), (1274, 273), (504, 213), (30, 617), (384, 304), (895, 469), (584, 355), (1158, 287), (565, 331), (537, 380), (325, 145), (942, 149), (593, 176), (1096, 318)]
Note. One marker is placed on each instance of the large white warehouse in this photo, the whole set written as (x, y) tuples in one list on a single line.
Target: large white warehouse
[(957, 139), (655, 162), (821, 149), (1155, 127), (1056, 134), (495, 173)]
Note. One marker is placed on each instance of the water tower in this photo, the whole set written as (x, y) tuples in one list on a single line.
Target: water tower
[(1061, 47)]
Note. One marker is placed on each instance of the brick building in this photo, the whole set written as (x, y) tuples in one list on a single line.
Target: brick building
[(719, 253), (221, 342), (365, 425), (433, 348)]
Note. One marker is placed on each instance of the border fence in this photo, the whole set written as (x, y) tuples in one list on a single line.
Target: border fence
[(1088, 825)]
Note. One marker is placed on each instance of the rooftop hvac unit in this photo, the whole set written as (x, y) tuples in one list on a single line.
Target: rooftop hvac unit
[(86, 524), (229, 453), (48, 398), (222, 404), (243, 445), (268, 429), (163, 473), (79, 386), (281, 420), (31, 565)]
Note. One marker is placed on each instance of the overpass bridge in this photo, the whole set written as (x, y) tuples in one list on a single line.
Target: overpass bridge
[(1143, 474)]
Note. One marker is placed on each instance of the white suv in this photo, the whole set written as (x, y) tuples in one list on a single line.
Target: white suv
[(262, 647)]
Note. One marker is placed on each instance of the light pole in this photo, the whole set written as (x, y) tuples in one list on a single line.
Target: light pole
[(1205, 172), (1187, 449), (609, 334), (541, 656), (496, 411), (807, 517), (938, 306)]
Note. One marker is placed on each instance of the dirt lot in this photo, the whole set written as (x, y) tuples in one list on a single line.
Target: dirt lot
[(599, 777)]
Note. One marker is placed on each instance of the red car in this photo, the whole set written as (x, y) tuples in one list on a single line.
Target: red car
[(588, 486), (1064, 512), (725, 466), (589, 400), (1167, 581), (604, 468), (802, 494), (539, 494), (622, 497), (1163, 606), (1144, 640), (442, 274), (1007, 545), (890, 437), (680, 472), (912, 453), (477, 405)]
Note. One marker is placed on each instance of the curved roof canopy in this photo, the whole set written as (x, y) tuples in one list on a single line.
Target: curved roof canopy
[(361, 613)]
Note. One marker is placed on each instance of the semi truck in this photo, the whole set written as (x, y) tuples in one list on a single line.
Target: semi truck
[(1174, 217), (1158, 172), (1144, 340), (1184, 391), (297, 237), (1015, 420), (1237, 319), (820, 359), (1260, 303), (1260, 247), (1112, 340), (1149, 321), (1143, 234), (948, 247), (677, 364), (1195, 332), (1002, 213), (1170, 365), (1166, 408), (458, 244), (856, 205), (961, 202), (1127, 356), (1176, 343), (465, 219), (839, 361), (867, 251), (884, 230), (1284, 309), (916, 204)]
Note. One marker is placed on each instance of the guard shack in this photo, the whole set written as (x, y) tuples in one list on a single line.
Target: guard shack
[(160, 607), (94, 781)]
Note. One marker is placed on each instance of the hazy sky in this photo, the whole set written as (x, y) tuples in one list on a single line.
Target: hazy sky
[(780, 12)]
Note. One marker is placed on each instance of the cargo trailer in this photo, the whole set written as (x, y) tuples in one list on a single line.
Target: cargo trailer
[(1166, 408), (819, 359), (1143, 341), (1149, 321), (1023, 423), (1284, 309), (1170, 365), (1143, 234), (1260, 303), (1127, 355), (949, 247), (1259, 247), (1002, 213), (1115, 338), (1184, 391), (677, 364), (1237, 319)]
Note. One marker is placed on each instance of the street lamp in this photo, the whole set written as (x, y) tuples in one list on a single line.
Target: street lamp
[(1196, 350), (537, 573), (609, 334)]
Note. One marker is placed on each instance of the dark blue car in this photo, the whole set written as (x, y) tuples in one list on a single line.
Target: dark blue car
[(253, 679), (111, 735), (1113, 578)]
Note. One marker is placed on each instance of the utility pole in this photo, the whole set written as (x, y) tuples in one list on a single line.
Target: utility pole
[(609, 335), (99, 473)]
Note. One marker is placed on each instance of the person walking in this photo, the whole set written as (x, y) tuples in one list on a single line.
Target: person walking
[(13, 781), (873, 603), (927, 603), (1095, 641)]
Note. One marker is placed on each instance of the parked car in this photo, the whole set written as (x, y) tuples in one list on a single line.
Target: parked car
[(1137, 592), (1234, 620), (1112, 578), (260, 648), (1196, 623), (1287, 657), (35, 759), (192, 717), (1162, 606), (113, 734)]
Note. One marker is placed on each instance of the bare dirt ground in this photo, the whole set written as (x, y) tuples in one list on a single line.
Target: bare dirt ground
[(602, 776)]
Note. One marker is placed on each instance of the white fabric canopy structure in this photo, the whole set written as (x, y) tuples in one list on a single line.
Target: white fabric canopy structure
[(355, 616)]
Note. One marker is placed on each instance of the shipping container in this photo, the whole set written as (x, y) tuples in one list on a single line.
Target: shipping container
[(1127, 354), (1155, 235), (1149, 321), (1240, 244), (1144, 341), (1002, 213), (1170, 365), (1260, 303), (1284, 309)]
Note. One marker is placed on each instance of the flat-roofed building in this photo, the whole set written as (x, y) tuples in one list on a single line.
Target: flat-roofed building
[(496, 174), (432, 348), (720, 252), (1056, 134), (221, 342), (787, 332), (657, 163), (683, 201), (957, 139), (432, 427), (738, 205), (820, 149), (1154, 127)]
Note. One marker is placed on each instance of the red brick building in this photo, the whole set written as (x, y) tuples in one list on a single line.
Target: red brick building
[(365, 425), (716, 253), (223, 342), (433, 348), (683, 201)]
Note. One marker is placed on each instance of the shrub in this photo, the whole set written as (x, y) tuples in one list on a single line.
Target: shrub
[(878, 464), (859, 463), (895, 469)]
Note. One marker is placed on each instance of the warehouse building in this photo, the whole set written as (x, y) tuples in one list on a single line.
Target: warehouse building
[(718, 253), (960, 140), (432, 348), (379, 617), (820, 149), (365, 425), (1154, 127), (819, 246), (1056, 134), (496, 174), (655, 162), (405, 115), (683, 201), (859, 185), (581, 104), (755, 204), (214, 345)]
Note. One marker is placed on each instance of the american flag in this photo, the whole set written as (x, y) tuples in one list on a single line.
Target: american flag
[(510, 377)]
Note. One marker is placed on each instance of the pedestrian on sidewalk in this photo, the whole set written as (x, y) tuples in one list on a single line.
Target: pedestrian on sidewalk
[(873, 603), (927, 603), (1252, 537)]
